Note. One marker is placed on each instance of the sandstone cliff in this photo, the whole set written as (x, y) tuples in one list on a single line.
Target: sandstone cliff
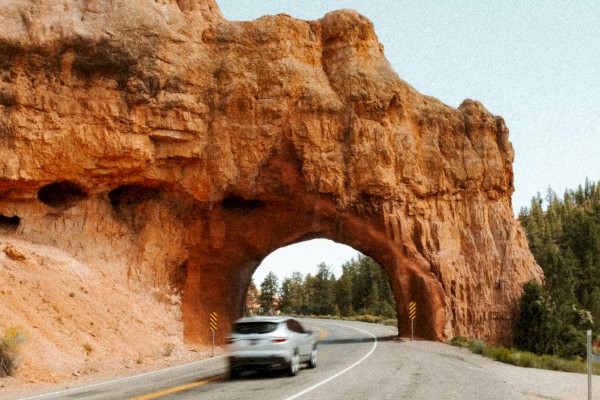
[(179, 149)]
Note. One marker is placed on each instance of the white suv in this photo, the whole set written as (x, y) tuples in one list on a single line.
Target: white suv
[(268, 343)]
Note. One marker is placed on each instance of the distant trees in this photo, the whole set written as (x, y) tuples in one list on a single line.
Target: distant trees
[(363, 288), (565, 241)]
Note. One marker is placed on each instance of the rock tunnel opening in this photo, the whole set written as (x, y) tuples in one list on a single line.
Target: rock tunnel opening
[(234, 244), (9, 224), (62, 195)]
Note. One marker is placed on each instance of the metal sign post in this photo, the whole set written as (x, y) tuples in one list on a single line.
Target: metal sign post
[(589, 363), (213, 329), (412, 313)]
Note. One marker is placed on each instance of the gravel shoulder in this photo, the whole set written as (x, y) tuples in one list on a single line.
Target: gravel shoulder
[(535, 384)]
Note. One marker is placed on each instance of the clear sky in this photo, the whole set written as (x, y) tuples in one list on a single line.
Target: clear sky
[(535, 63)]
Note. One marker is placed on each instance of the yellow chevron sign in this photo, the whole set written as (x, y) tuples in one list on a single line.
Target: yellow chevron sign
[(412, 310), (213, 321)]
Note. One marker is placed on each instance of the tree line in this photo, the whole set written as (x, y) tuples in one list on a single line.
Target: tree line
[(565, 241), (362, 289)]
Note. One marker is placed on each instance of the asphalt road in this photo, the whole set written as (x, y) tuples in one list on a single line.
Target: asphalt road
[(356, 361)]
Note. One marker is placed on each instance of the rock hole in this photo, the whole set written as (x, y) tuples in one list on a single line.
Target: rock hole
[(129, 195), (238, 203), (9, 224), (61, 195)]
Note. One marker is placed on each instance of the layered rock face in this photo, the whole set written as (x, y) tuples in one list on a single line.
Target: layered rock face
[(181, 149)]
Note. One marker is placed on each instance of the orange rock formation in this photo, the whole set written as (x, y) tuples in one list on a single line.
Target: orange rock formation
[(181, 149)]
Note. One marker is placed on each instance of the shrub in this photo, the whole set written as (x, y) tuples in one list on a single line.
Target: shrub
[(168, 348), (524, 358), (10, 345), (478, 347), (573, 342), (390, 322), (501, 354), (460, 341)]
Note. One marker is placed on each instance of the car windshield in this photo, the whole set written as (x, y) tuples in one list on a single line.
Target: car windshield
[(255, 327)]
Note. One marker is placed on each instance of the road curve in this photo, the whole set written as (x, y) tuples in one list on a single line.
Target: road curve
[(356, 361)]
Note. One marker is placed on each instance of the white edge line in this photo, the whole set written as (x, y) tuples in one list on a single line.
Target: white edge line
[(118, 380), (310, 389)]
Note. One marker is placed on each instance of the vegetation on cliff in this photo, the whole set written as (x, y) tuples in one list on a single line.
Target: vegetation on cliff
[(565, 241)]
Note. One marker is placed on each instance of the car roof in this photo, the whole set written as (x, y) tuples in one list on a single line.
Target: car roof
[(276, 319)]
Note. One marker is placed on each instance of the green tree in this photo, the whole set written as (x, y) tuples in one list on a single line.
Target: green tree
[(252, 298), (536, 327), (344, 292), (312, 302), (323, 291), (373, 305), (293, 298), (268, 293)]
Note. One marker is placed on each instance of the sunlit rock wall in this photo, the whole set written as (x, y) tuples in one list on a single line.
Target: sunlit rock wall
[(181, 149)]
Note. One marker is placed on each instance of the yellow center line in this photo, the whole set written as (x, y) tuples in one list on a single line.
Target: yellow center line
[(179, 388), (322, 332)]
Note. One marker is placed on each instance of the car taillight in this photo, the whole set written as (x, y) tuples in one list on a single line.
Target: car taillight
[(279, 340)]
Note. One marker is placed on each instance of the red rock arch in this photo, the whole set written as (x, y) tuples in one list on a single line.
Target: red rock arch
[(233, 237), (206, 144)]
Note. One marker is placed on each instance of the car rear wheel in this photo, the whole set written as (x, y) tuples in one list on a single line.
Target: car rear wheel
[(313, 358), (294, 365)]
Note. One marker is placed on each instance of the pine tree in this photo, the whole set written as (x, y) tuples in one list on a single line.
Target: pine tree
[(292, 292), (268, 293), (252, 298), (324, 293), (344, 292)]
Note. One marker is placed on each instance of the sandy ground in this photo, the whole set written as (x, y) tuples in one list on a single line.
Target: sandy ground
[(83, 323)]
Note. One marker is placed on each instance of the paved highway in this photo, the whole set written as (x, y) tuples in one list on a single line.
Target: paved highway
[(356, 361)]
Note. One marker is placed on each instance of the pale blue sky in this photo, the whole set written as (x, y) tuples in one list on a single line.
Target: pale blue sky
[(535, 63)]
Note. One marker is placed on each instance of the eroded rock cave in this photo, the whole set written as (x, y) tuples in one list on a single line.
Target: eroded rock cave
[(182, 149)]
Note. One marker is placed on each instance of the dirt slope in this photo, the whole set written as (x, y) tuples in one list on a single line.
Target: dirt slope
[(83, 322)]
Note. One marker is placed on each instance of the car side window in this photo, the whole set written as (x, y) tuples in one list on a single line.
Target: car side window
[(294, 326)]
